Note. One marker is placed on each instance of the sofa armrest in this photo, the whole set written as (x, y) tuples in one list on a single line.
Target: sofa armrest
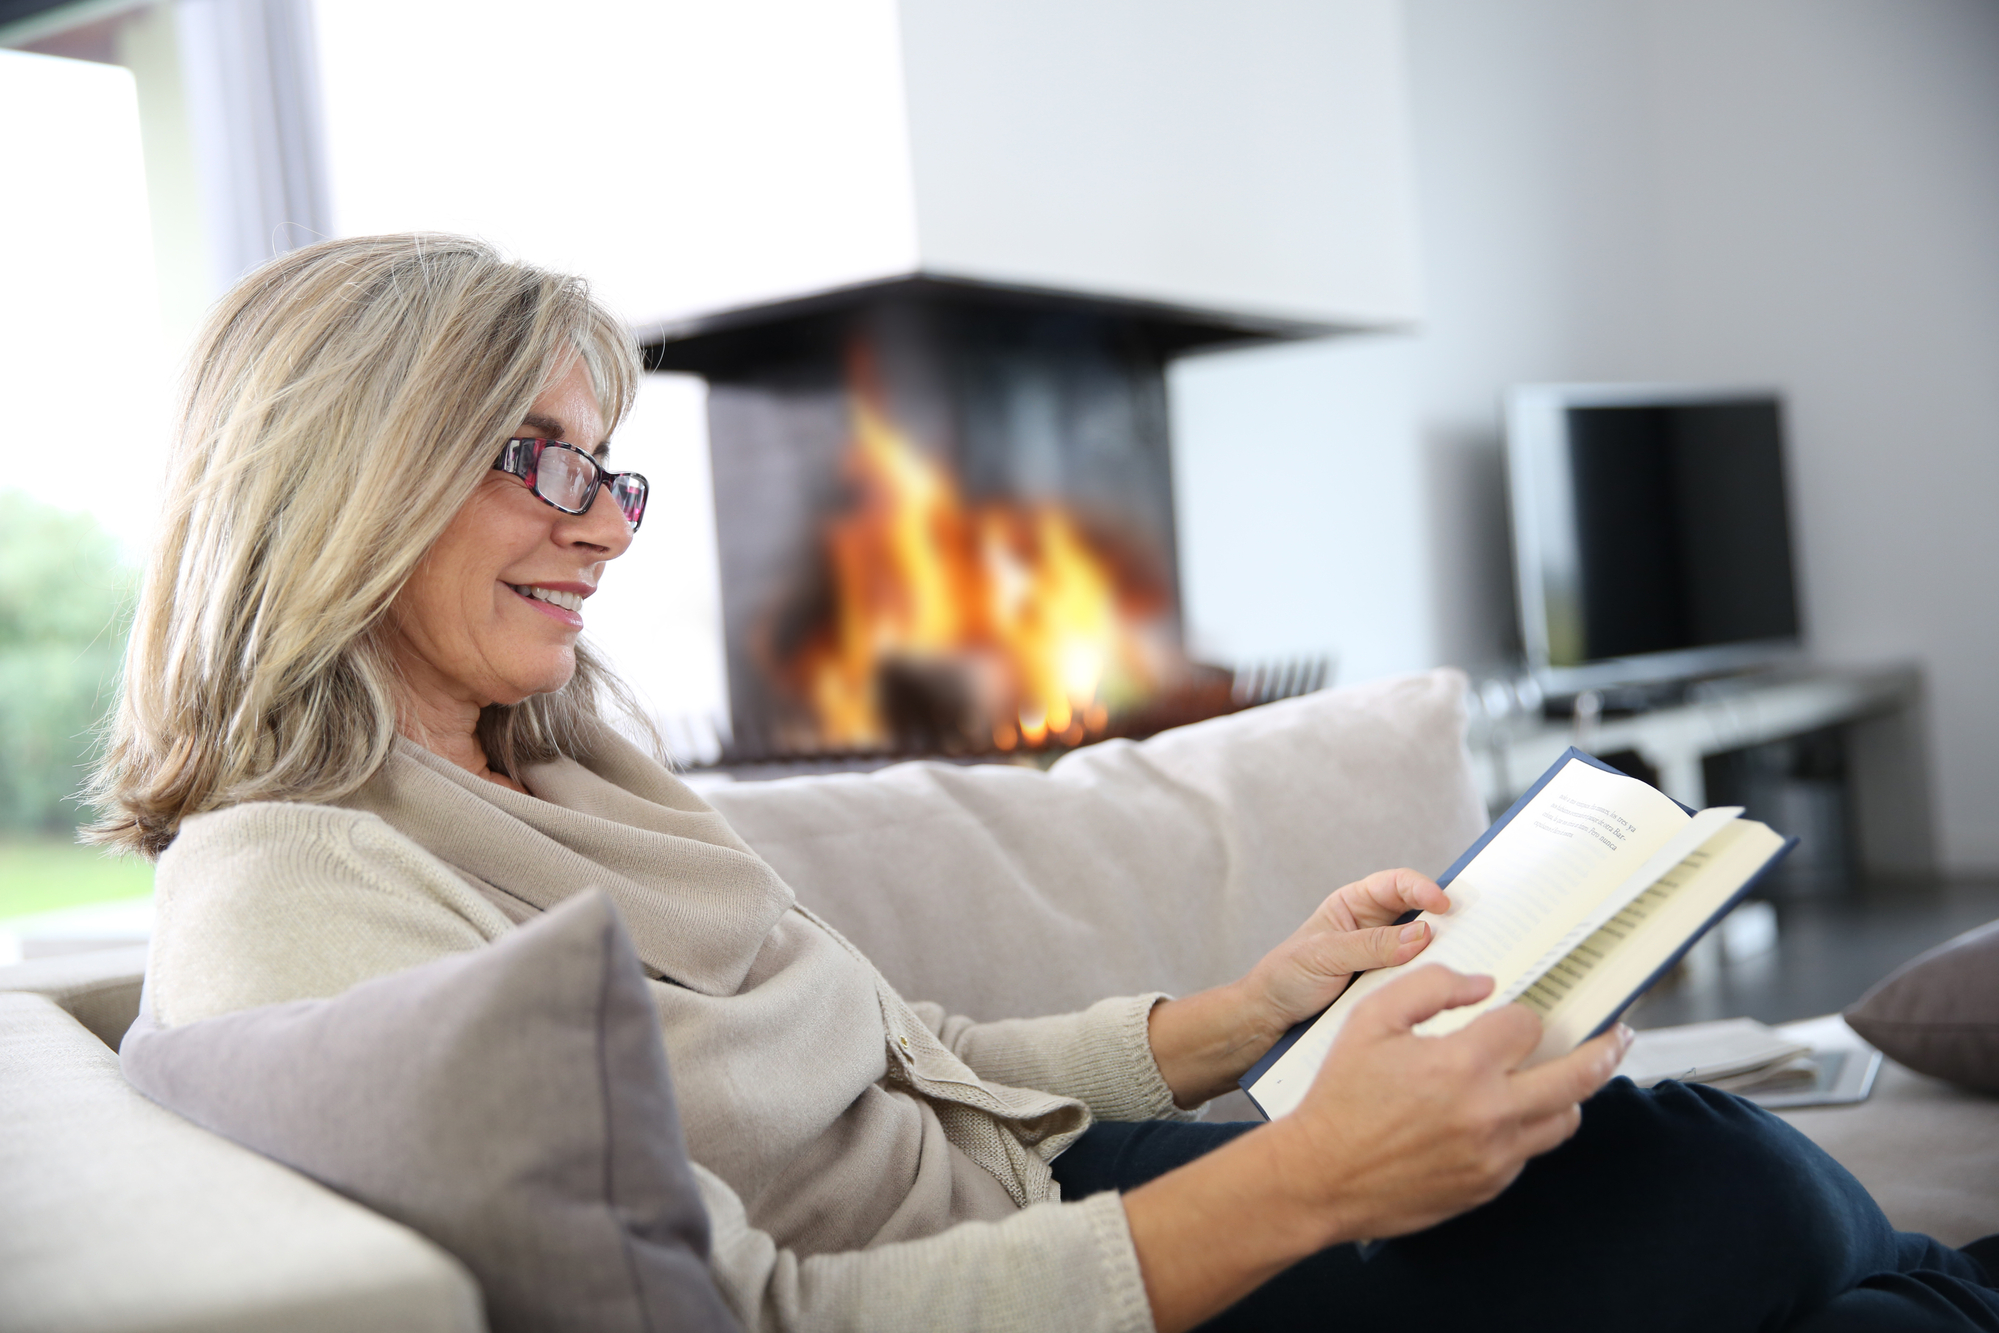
[(99, 989), (116, 1214)]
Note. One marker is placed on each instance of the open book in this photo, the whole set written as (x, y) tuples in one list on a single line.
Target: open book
[(1574, 902)]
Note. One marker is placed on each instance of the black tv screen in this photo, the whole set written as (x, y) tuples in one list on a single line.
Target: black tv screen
[(1651, 530)]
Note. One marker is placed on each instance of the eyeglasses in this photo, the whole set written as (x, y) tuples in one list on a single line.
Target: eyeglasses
[(566, 478)]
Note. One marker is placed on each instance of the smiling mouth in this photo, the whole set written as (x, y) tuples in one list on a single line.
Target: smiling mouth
[(568, 601)]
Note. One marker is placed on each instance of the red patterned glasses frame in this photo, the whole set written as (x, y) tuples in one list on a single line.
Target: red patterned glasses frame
[(566, 478)]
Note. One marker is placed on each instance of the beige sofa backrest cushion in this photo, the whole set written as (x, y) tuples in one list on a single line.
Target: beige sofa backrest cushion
[(1169, 865)]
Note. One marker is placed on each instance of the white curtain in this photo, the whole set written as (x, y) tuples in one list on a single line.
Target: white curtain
[(252, 88)]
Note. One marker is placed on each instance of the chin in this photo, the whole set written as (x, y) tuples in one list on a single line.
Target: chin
[(544, 678)]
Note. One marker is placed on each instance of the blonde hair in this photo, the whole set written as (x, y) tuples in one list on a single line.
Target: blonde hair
[(341, 404)]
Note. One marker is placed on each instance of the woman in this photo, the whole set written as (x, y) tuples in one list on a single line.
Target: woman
[(359, 731)]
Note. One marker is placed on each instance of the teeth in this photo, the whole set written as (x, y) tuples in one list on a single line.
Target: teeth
[(568, 601)]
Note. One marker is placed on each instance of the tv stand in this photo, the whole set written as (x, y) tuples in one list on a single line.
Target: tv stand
[(1621, 700), (1879, 710)]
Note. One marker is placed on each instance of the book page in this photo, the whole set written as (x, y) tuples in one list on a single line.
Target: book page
[(1572, 846), (1603, 974), (1690, 839)]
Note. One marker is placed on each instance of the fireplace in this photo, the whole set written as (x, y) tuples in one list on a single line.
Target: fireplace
[(933, 261), (945, 521)]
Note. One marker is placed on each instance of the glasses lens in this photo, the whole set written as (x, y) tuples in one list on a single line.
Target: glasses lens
[(629, 490), (563, 477)]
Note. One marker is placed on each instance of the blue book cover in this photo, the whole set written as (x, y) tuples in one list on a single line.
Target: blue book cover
[(1256, 1071)]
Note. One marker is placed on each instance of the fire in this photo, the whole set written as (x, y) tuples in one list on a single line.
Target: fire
[(1004, 615), (1053, 611)]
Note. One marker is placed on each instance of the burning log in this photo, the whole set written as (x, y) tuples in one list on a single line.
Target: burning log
[(951, 627)]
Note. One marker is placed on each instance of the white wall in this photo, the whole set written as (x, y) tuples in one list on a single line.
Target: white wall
[(659, 615), (1830, 171), (1296, 476), (1533, 143), (1249, 157), (1796, 192), (726, 154), (1534, 194)]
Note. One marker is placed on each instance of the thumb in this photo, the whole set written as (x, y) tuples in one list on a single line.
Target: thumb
[(1422, 994), (1365, 950)]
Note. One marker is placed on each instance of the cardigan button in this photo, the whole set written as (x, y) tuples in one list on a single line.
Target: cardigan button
[(903, 1042)]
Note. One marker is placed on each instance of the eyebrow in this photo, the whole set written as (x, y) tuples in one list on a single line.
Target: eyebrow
[(552, 429)]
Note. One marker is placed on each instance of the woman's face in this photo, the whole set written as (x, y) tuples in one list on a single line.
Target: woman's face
[(467, 629)]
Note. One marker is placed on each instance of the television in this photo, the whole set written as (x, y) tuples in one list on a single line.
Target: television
[(1651, 532)]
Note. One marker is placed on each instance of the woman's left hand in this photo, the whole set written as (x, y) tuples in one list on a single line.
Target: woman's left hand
[(1353, 931), (1204, 1042)]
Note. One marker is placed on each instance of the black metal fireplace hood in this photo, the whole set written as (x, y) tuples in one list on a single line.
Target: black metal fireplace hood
[(723, 344)]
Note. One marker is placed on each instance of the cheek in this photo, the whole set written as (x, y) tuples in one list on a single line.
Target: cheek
[(481, 542), (448, 596)]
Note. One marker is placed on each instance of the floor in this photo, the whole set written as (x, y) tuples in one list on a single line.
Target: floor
[(1829, 951)]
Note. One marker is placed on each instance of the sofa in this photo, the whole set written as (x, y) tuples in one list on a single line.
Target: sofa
[(996, 890)]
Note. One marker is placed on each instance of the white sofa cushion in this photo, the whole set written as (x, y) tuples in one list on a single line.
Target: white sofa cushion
[(99, 988), (117, 1215), (1926, 1150), (1172, 864)]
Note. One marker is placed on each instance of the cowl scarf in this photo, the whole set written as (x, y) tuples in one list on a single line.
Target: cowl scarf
[(805, 1080)]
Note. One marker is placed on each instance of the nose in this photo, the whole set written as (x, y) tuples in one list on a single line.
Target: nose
[(602, 527)]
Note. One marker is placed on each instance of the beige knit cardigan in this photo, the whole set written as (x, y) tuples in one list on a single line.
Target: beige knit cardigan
[(866, 1162)]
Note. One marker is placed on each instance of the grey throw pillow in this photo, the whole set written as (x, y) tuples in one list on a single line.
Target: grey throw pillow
[(512, 1104), (1940, 1014)]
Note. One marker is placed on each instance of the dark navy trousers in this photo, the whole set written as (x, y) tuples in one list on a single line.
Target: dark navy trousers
[(1672, 1208)]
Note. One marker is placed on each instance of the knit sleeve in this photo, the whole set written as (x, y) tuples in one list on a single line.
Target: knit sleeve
[(1101, 1056), (1053, 1265)]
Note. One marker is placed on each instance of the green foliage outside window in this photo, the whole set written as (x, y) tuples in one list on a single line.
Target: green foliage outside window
[(65, 599)]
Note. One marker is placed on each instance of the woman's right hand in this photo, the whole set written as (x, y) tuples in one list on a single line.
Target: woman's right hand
[(1401, 1131), (1397, 1133)]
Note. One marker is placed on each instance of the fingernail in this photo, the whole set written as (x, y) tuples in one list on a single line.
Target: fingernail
[(1412, 931), (1625, 1035)]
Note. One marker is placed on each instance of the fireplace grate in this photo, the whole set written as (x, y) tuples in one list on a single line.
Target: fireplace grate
[(705, 745)]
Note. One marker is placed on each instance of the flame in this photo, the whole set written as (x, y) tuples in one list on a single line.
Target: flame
[(1011, 596)]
